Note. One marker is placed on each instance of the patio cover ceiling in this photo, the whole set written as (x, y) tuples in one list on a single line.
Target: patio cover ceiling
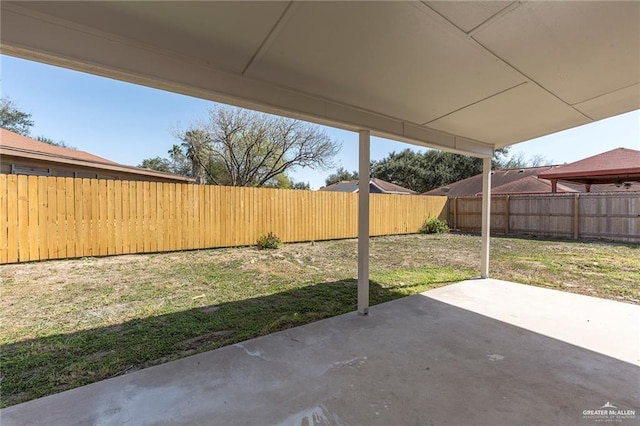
[(461, 76)]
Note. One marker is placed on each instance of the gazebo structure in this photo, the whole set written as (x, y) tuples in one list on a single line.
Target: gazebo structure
[(619, 166), (463, 77)]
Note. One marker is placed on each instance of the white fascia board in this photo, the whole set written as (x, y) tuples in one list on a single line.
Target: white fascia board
[(70, 45)]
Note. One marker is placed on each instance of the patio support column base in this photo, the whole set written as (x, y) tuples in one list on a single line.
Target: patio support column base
[(363, 222), (486, 216)]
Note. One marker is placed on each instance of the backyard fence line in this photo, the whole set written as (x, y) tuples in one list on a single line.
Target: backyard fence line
[(611, 216), (55, 218)]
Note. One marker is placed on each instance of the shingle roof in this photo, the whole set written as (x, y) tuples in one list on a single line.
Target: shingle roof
[(529, 185), (342, 186), (521, 181), (352, 186), (18, 146), (619, 161), (473, 185), (391, 188), (23, 143)]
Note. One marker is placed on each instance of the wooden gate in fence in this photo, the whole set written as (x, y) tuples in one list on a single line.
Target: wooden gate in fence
[(53, 217)]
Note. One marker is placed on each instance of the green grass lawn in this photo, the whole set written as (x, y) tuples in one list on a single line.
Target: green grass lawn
[(64, 324)]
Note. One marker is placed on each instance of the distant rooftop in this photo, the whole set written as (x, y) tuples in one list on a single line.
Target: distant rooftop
[(529, 185), (528, 180), (473, 186), (375, 186)]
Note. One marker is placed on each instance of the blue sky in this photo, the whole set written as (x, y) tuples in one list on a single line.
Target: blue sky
[(127, 123)]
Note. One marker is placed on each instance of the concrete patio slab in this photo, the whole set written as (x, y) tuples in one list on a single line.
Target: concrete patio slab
[(480, 352)]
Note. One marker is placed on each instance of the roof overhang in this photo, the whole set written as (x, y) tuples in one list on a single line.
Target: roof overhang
[(10, 154), (466, 77), (600, 179)]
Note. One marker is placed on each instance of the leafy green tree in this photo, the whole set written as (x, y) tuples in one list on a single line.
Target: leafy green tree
[(196, 143), (424, 171), (339, 175), (180, 164), (12, 119), (405, 168), (431, 169), (301, 185), (177, 163), (158, 163), (281, 181)]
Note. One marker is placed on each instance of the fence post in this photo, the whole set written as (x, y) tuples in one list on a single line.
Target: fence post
[(507, 212), (455, 213), (576, 216)]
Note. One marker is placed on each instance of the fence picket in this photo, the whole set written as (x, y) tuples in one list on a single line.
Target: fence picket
[(34, 217), (23, 219), (70, 217), (87, 217), (4, 214), (80, 223), (117, 216)]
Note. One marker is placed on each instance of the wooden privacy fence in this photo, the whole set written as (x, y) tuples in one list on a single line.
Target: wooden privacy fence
[(612, 216), (53, 218)]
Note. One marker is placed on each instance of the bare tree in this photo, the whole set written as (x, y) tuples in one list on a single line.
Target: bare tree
[(245, 148), (539, 160), (12, 119)]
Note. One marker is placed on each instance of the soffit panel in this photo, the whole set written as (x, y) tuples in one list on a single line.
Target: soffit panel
[(467, 15), (389, 57), (224, 34), (614, 103), (577, 50), (389, 66), (522, 113), (94, 52)]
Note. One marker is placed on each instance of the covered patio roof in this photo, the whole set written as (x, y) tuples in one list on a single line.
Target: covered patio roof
[(461, 76)]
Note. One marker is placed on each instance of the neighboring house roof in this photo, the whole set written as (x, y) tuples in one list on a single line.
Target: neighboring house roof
[(473, 185), (521, 181), (20, 143), (528, 185), (391, 188), (615, 166), (342, 186), (379, 184), (14, 145)]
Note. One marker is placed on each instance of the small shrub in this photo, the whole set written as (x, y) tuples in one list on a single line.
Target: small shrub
[(268, 241), (433, 225)]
